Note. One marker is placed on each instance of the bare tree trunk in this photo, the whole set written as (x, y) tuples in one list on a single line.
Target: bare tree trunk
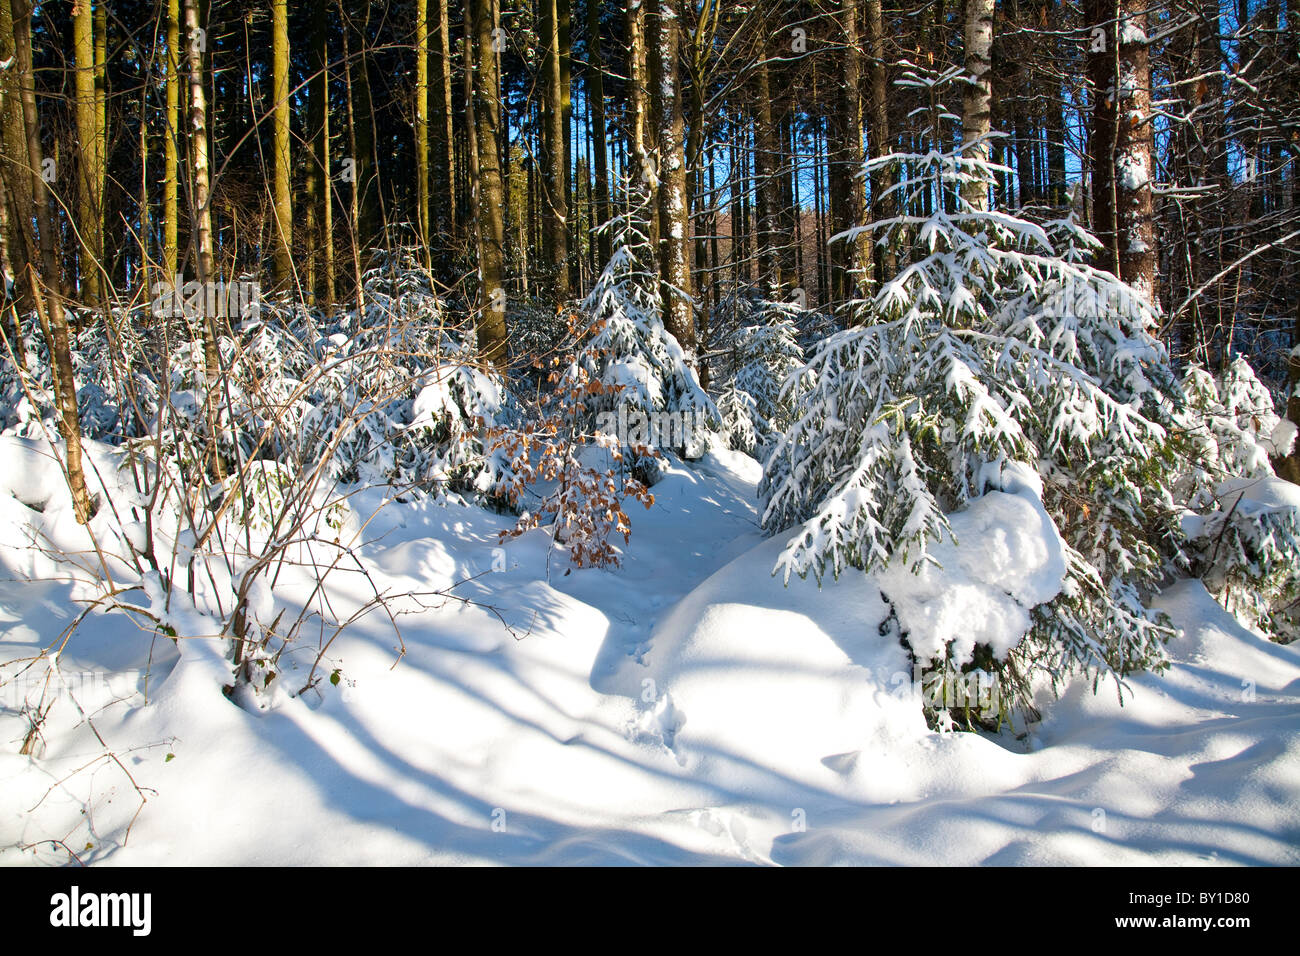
[(564, 35), (848, 196), (596, 65), (319, 135), (488, 217), (1102, 52), (47, 295), (1134, 159), (443, 138), (765, 160), (283, 203), (354, 197), (878, 130), (366, 183), (171, 140), (977, 106), (17, 182), (674, 218), (422, 125), (201, 213), (89, 193), (645, 175), (555, 213)]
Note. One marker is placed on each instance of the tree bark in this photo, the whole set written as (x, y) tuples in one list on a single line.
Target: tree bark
[(848, 194), (15, 176), (765, 162), (281, 159), (674, 219), (1101, 16), (442, 135), (1134, 158), (596, 65), (422, 124), (977, 105), (488, 218), (47, 293), (878, 138), (555, 213), (171, 140), (318, 121), (89, 193)]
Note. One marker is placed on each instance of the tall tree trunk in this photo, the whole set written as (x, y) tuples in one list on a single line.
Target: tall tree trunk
[(283, 200), (555, 160), (16, 179), (564, 36), (644, 174), (89, 194), (489, 197), (1134, 158), (848, 196), (171, 140), (1101, 15), (765, 162), (442, 136), (201, 216), (354, 194), (366, 183), (596, 65), (878, 139), (47, 294), (977, 105), (422, 124), (318, 122), (674, 219), (200, 170)]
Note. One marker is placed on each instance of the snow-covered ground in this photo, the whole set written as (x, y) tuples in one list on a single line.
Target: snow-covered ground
[(684, 708)]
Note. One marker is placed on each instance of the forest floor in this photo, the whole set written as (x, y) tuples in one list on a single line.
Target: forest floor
[(686, 707)]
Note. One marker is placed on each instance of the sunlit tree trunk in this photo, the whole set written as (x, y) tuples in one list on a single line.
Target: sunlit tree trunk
[(281, 159), (674, 219), (848, 195), (422, 123), (90, 178), (16, 179), (1134, 158), (488, 206), (171, 141), (977, 104), (46, 292), (555, 213), (596, 66)]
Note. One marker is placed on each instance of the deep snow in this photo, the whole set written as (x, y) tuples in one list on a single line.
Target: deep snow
[(684, 708)]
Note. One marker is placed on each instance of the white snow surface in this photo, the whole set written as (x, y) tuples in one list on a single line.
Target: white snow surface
[(684, 708), (1007, 558)]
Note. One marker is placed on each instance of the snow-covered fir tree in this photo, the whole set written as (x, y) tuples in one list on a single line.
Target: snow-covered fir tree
[(641, 369), (988, 346), (762, 352), (1243, 522)]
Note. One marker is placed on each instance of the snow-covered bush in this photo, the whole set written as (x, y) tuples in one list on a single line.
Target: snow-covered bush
[(229, 476), (761, 350), (572, 470), (1243, 522), (988, 347), (627, 350)]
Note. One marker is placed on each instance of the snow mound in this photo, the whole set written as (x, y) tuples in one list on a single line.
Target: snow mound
[(761, 674), (1007, 557), (1256, 495)]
